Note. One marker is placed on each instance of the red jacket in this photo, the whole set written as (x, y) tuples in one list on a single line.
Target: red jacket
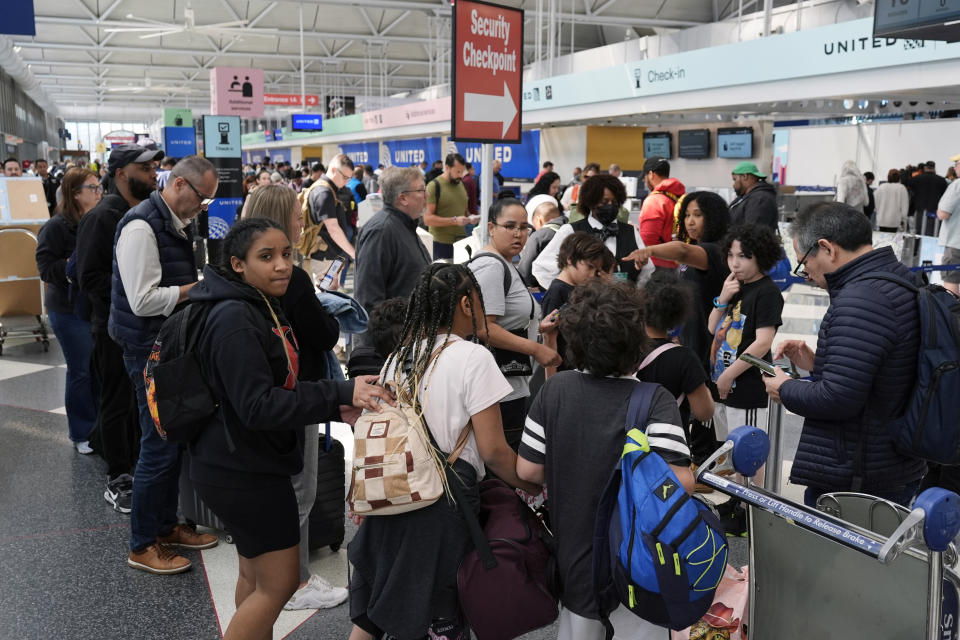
[(656, 216)]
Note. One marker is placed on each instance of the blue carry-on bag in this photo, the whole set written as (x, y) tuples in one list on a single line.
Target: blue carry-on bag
[(656, 550)]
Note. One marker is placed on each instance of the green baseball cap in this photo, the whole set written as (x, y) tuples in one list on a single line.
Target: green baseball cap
[(747, 167)]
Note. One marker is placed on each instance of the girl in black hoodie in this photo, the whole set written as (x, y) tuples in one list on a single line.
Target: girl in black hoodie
[(242, 462)]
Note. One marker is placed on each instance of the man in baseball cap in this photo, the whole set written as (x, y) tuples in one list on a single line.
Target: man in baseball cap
[(132, 177), (131, 153), (756, 201)]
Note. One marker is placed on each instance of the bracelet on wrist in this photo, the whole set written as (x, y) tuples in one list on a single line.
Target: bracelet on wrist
[(719, 305)]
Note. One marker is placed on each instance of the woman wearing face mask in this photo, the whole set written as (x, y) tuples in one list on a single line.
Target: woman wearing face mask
[(510, 311), (600, 200)]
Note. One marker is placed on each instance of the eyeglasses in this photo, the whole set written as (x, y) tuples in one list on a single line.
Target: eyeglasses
[(510, 227), (93, 187), (204, 201), (801, 271), (421, 190), (346, 176)]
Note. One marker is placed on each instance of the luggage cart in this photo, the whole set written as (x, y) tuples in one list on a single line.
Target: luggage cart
[(814, 574), (17, 264)]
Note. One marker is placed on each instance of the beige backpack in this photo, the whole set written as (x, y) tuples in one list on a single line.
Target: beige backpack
[(310, 239), (395, 466)]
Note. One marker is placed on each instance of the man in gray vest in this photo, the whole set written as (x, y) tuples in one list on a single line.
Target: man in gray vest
[(153, 269)]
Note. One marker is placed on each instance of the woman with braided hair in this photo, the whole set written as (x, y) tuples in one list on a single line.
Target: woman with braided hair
[(404, 582)]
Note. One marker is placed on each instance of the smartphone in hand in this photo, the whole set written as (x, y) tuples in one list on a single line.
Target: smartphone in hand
[(331, 275), (767, 368)]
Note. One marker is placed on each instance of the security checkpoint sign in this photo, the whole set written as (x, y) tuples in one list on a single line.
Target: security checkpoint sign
[(487, 70)]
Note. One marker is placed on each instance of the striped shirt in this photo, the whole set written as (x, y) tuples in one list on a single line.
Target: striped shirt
[(575, 428)]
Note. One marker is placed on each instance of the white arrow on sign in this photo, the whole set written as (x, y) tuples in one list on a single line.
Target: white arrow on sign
[(483, 107)]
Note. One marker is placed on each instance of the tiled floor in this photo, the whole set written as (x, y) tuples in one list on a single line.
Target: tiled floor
[(62, 548)]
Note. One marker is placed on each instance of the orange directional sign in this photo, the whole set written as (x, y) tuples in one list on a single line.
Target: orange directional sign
[(487, 72)]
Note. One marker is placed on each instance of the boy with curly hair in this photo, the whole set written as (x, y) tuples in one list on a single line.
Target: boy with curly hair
[(574, 435), (745, 319)]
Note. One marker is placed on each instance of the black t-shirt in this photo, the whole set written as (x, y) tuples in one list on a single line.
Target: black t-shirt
[(555, 297), (706, 286), (576, 429), (757, 305), (323, 205), (678, 369)]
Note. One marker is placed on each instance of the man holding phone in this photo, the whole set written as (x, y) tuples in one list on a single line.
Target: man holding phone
[(863, 370), (327, 214)]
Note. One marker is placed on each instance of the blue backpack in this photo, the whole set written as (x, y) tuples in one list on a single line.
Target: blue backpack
[(930, 426), (656, 550)]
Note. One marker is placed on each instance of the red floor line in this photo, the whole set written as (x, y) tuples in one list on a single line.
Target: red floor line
[(307, 619), (206, 578), (62, 532)]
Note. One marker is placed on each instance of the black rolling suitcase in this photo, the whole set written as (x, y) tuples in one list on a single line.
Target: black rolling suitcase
[(328, 513), (193, 509)]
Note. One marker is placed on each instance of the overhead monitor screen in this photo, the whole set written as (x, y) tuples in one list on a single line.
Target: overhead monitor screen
[(735, 142), (693, 143), (657, 144), (306, 122)]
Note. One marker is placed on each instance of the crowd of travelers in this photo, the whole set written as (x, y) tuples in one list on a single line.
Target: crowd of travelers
[(536, 343)]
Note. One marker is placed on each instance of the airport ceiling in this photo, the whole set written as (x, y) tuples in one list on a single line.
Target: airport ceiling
[(124, 59), (130, 55)]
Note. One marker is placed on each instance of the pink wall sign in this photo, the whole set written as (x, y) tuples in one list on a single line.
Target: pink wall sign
[(413, 113), (235, 91)]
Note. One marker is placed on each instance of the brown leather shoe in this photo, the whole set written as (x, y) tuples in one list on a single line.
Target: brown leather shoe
[(185, 536), (158, 559)]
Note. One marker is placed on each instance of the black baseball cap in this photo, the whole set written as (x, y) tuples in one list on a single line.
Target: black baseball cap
[(655, 164), (128, 154)]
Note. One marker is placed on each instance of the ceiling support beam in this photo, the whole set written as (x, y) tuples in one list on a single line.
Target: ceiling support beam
[(32, 44)]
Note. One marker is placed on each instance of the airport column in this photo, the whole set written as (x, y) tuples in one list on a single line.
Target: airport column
[(235, 92), (221, 145)]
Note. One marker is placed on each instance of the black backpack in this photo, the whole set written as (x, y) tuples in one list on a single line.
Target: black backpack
[(928, 428), (178, 394)]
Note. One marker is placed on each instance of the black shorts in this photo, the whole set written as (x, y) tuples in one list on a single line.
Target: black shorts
[(260, 519)]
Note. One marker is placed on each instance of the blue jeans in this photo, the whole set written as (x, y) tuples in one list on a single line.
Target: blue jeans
[(80, 399), (901, 495), (156, 488)]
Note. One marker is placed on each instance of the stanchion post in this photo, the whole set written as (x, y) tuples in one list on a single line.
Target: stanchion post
[(486, 190), (774, 467), (934, 594)]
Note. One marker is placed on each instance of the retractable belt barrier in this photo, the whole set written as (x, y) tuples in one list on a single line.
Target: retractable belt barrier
[(854, 598)]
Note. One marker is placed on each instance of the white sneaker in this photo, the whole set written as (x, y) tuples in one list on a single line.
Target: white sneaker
[(83, 447), (316, 594)]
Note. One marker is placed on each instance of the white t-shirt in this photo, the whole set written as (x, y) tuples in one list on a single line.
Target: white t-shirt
[(462, 381)]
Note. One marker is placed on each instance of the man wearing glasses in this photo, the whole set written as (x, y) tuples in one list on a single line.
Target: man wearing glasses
[(324, 237), (131, 178), (153, 270), (864, 368), (390, 256)]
